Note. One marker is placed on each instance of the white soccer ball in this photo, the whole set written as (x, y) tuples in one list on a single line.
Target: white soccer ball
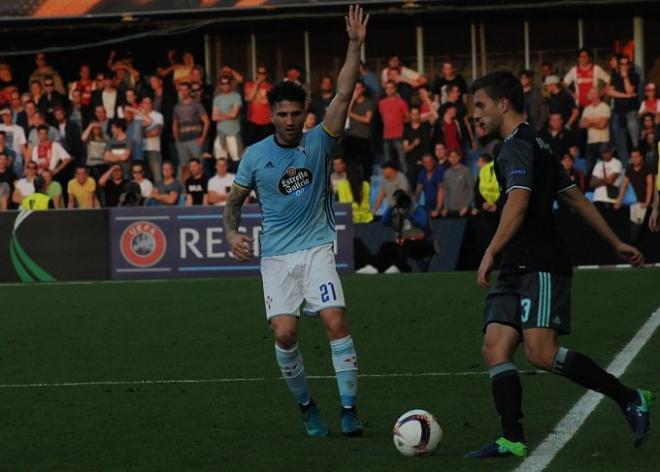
[(417, 433)]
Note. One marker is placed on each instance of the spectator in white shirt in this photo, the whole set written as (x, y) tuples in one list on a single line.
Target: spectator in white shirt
[(146, 187), (596, 120), (25, 187), (220, 184), (152, 127), (606, 173)]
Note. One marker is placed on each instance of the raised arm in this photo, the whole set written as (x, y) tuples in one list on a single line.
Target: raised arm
[(356, 28), (240, 244)]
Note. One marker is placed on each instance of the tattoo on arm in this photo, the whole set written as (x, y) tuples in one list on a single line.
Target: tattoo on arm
[(232, 216)]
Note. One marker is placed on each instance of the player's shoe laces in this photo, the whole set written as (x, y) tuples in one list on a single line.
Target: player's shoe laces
[(638, 416), (350, 423), (314, 422), (501, 447)]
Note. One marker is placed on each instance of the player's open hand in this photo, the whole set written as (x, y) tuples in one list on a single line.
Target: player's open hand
[(486, 266), (630, 254), (356, 23), (241, 245)]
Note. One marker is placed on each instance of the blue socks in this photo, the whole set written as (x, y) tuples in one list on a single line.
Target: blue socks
[(293, 371), (344, 361)]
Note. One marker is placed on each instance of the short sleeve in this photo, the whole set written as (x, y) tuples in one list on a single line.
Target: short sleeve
[(245, 174), (598, 170), (200, 109), (616, 166), (516, 162), (322, 138)]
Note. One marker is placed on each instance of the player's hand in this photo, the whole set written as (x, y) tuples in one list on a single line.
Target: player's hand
[(356, 24), (630, 254), (486, 266), (654, 221), (241, 245)]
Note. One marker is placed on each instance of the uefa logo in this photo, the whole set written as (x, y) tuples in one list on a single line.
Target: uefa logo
[(143, 244)]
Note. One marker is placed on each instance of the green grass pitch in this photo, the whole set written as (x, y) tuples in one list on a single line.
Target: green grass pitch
[(216, 330)]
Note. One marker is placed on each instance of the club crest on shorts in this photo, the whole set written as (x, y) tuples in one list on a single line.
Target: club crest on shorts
[(143, 244), (295, 181)]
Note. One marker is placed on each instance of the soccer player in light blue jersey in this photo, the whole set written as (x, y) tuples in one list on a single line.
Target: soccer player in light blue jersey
[(290, 172)]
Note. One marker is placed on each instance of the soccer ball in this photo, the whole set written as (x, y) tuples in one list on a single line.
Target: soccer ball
[(417, 433)]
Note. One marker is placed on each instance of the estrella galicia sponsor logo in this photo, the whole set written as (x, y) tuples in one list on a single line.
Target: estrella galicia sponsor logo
[(295, 181), (143, 244)]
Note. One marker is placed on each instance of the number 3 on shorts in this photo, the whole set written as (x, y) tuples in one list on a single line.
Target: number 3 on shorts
[(525, 304), (325, 293)]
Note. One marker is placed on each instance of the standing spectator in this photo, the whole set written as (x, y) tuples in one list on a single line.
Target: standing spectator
[(77, 111), (534, 103), (152, 127), (69, 134), (31, 113), (605, 178), (370, 81), (43, 70), (220, 184), (36, 91), (393, 180), (138, 173), (164, 103), (625, 121), (255, 94), (18, 113), (648, 142), (24, 187), (226, 113), (183, 71), (113, 184), (50, 100), (559, 138), (102, 118), (50, 155), (585, 76), (357, 139), (7, 180), (448, 130), (596, 120), (459, 187), (650, 104), (196, 185), (430, 183), (321, 100), (338, 172), (190, 126), (134, 131), (109, 97), (560, 101), (454, 98), (53, 188), (568, 163), (96, 144), (394, 112), (449, 77), (406, 79), (354, 190), (14, 140), (118, 150), (82, 190), (428, 106), (440, 154), (640, 177), (168, 190), (236, 77), (39, 199), (204, 90), (416, 143), (84, 85)]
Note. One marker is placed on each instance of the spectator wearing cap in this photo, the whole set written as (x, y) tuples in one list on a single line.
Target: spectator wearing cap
[(641, 178), (14, 140), (459, 187), (39, 199), (394, 113), (568, 163), (535, 107), (651, 103), (625, 119), (596, 120), (393, 180), (605, 178), (584, 76), (560, 101)]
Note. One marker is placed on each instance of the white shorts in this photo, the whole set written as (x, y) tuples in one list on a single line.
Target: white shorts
[(308, 276)]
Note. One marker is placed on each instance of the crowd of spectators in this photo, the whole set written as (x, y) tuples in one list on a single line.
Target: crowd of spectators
[(121, 136)]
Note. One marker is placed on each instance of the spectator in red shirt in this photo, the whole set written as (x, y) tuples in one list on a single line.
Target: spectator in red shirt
[(650, 104), (448, 130), (394, 112), (258, 109)]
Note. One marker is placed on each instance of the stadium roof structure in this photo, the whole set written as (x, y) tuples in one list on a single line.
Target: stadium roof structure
[(53, 10)]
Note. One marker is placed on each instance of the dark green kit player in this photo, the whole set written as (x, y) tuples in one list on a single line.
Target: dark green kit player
[(530, 302)]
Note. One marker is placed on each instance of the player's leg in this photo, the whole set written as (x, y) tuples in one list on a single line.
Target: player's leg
[(543, 351)]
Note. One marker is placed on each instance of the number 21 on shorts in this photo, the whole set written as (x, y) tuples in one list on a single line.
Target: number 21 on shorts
[(327, 291)]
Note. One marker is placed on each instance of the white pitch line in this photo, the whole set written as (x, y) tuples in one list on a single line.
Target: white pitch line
[(236, 380), (545, 452)]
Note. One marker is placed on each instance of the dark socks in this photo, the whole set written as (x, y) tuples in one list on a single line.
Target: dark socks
[(585, 372), (507, 393)]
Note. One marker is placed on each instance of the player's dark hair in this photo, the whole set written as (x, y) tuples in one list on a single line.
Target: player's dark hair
[(289, 91), (501, 84)]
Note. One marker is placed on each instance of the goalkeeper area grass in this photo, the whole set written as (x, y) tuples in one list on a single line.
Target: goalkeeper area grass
[(181, 375)]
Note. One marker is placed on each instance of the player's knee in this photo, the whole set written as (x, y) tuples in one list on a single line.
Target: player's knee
[(336, 329), (492, 355), (286, 338), (541, 357)]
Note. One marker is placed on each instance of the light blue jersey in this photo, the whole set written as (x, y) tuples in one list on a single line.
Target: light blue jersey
[(294, 191)]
